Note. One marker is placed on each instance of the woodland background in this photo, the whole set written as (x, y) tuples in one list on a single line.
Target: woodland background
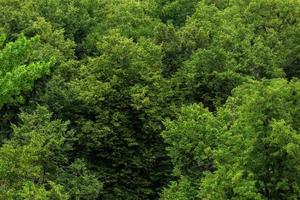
[(149, 99)]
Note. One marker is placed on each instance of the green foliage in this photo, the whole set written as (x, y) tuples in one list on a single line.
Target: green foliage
[(15, 16), (184, 189), (20, 67), (248, 150), (200, 94), (260, 159), (131, 18), (176, 11), (191, 139), (53, 40), (216, 52), (191, 158), (34, 162), (117, 115)]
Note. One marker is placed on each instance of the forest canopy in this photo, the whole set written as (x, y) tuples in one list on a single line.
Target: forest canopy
[(149, 99)]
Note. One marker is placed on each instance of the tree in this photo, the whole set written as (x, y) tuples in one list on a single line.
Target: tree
[(132, 19), (250, 147), (176, 11), (34, 163), (215, 52), (20, 68), (191, 139), (115, 74), (25, 65), (260, 160), (116, 103)]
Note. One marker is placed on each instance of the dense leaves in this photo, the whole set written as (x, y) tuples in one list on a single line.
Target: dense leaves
[(149, 99), (248, 150), (115, 114), (220, 51), (35, 162), (20, 67)]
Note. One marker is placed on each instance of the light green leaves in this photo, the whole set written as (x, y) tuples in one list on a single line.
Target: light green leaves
[(20, 68), (252, 144), (34, 163)]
